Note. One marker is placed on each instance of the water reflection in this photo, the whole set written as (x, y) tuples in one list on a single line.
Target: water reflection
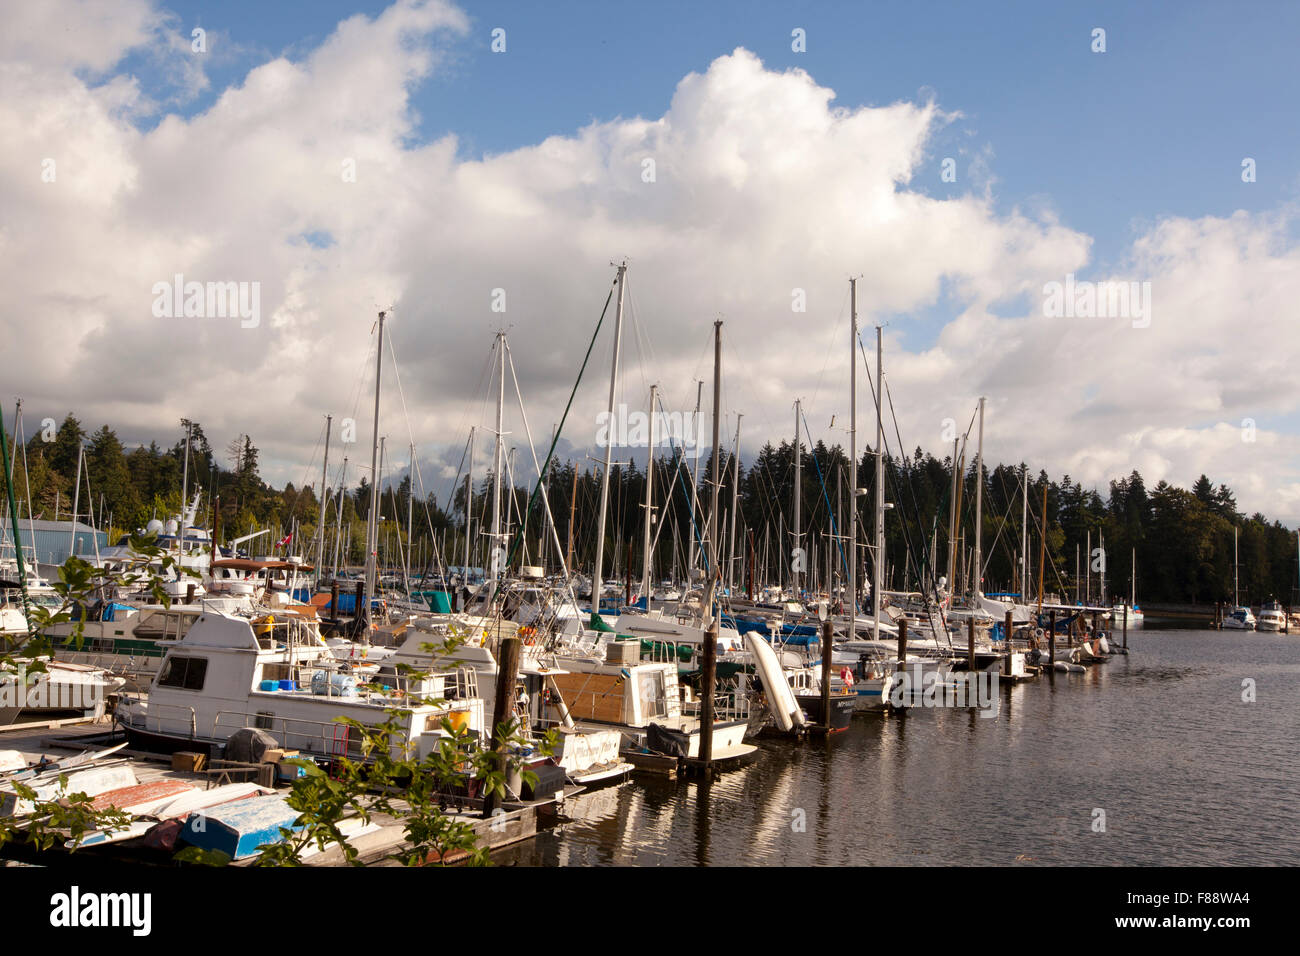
[(1161, 741)]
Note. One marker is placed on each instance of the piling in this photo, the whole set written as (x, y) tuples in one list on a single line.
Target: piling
[(334, 599), (189, 593), (708, 678), (1006, 637), (1051, 640), (827, 641), (1126, 612), (970, 644), (358, 613), (502, 709)]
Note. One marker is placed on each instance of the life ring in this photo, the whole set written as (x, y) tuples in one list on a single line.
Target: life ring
[(1038, 634)]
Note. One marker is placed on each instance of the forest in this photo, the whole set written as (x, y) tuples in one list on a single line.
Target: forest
[(1182, 540)]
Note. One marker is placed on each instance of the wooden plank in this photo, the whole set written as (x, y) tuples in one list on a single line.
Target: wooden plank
[(592, 696)]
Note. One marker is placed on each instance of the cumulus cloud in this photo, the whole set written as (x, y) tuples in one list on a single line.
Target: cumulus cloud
[(307, 178)]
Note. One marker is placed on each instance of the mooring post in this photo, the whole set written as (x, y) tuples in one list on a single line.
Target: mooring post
[(1126, 628), (189, 593), (503, 709), (708, 677), (970, 644), (1007, 638), (1051, 640), (902, 659), (334, 599), (827, 633), (358, 612)]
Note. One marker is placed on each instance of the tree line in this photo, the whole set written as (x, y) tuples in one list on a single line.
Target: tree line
[(1181, 539)]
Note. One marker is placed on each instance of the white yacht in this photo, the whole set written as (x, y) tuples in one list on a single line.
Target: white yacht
[(1271, 618), (1239, 619)]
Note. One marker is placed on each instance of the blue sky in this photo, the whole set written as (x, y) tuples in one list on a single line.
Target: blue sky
[(1157, 125)]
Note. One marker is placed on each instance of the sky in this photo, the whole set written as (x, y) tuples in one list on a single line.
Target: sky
[(447, 162)]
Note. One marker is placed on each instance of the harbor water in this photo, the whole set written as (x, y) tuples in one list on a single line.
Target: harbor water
[(1182, 753)]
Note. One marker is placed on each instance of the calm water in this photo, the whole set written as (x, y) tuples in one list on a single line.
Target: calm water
[(1186, 772)]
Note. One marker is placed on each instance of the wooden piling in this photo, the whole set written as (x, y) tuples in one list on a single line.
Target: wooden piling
[(358, 612), (827, 641), (502, 709), (1126, 613), (334, 599), (189, 593), (1006, 637), (970, 644), (1051, 640), (708, 678)]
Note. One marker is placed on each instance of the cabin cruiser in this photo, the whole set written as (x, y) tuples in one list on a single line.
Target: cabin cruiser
[(274, 673), (1271, 618), (1239, 619)]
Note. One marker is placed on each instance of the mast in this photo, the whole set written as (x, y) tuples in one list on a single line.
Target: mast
[(573, 507), (372, 524), (798, 499), (410, 501), (76, 499), (494, 564), (710, 650), (877, 580), (324, 478), (853, 464), (596, 581), (735, 509), (978, 577), (952, 524), (695, 484), (185, 491), (1236, 599), (469, 499), (649, 500), (1133, 578), (1024, 538)]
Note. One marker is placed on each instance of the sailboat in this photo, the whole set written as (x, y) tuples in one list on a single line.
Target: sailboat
[(1239, 618), (1120, 611)]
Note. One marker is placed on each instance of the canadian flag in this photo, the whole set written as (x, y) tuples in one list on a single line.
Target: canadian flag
[(285, 540)]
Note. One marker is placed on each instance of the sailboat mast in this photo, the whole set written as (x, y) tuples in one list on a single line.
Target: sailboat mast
[(952, 523), (609, 448), (649, 500), (410, 501), (320, 521), (878, 569), (735, 508), (853, 461), (1024, 538), (372, 523), (798, 500), (495, 560), (978, 577), (469, 504)]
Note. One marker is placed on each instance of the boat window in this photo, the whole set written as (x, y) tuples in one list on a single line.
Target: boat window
[(187, 673)]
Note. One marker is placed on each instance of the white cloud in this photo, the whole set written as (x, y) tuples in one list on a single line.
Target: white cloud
[(763, 184)]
